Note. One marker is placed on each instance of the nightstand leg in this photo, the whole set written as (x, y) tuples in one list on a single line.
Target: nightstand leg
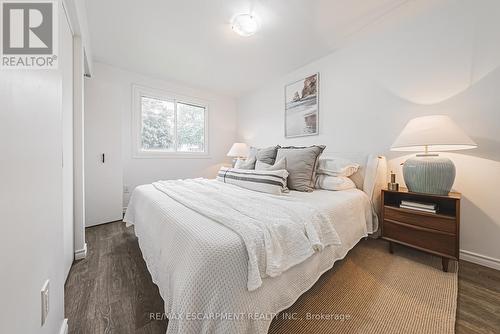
[(391, 247), (445, 261)]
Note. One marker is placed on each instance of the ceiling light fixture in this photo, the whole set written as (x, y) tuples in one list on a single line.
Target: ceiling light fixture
[(244, 25)]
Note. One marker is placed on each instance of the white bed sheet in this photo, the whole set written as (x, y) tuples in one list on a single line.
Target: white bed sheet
[(200, 266)]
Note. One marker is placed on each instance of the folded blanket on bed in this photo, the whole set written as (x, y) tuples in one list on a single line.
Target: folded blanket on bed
[(278, 231)]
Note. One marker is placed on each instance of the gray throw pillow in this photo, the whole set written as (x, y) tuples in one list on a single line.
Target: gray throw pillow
[(266, 155), (301, 163), (278, 165), (252, 153)]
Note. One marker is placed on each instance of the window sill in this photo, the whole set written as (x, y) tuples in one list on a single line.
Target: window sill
[(148, 155)]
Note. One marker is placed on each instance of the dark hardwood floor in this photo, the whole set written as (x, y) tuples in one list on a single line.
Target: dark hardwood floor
[(111, 292), (478, 308)]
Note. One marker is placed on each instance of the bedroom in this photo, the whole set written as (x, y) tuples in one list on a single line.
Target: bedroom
[(290, 124)]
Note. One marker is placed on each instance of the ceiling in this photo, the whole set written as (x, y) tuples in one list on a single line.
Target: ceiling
[(191, 41)]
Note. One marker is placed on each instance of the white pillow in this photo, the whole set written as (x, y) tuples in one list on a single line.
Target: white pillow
[(328, 182), (337, 167), (281, 164), (245, 164)]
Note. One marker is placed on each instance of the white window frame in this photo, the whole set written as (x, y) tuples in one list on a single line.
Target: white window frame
[(137, 151)]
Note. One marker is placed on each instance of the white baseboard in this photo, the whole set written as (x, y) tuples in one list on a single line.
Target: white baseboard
[(64, 327), (482, 260), (81, 253)]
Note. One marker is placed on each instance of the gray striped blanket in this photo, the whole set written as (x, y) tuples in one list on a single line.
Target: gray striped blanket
[(266, 181)]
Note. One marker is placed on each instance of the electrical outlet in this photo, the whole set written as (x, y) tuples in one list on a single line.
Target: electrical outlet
[(45, 301)]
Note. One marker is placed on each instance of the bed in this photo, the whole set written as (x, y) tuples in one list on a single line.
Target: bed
[(201, 267)]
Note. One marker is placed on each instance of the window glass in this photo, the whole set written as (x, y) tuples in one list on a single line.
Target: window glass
[(190, 128), (158, 125)]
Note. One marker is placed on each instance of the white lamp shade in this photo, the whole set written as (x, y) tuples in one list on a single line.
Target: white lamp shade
[(238, 150), (436, 133)]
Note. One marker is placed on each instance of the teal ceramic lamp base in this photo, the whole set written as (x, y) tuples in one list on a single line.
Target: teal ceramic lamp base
[(429, 174)]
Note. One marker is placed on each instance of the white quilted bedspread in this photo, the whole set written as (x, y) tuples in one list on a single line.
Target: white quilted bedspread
[(201, 266), (278, 231)]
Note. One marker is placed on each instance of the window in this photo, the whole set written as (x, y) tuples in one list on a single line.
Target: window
[(166, 125)]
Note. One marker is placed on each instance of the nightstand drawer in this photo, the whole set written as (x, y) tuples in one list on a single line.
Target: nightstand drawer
[(439, 242), (423, 219)]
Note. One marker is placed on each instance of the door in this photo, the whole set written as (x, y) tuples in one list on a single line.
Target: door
[(103, 152), (66, 64)]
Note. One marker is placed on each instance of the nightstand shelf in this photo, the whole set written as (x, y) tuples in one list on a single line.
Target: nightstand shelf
[(436, 233)]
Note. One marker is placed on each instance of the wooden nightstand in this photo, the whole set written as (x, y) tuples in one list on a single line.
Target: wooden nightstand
[(436, 233)]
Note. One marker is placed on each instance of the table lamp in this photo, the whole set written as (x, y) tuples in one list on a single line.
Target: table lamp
[(428, 172), (238, 151)]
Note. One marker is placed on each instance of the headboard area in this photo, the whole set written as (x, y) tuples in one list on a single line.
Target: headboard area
[(371, 176)]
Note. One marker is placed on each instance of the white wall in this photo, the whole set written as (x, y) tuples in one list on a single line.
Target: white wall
[(442, 61), (31, 188), (31, 242), (222, 126)]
